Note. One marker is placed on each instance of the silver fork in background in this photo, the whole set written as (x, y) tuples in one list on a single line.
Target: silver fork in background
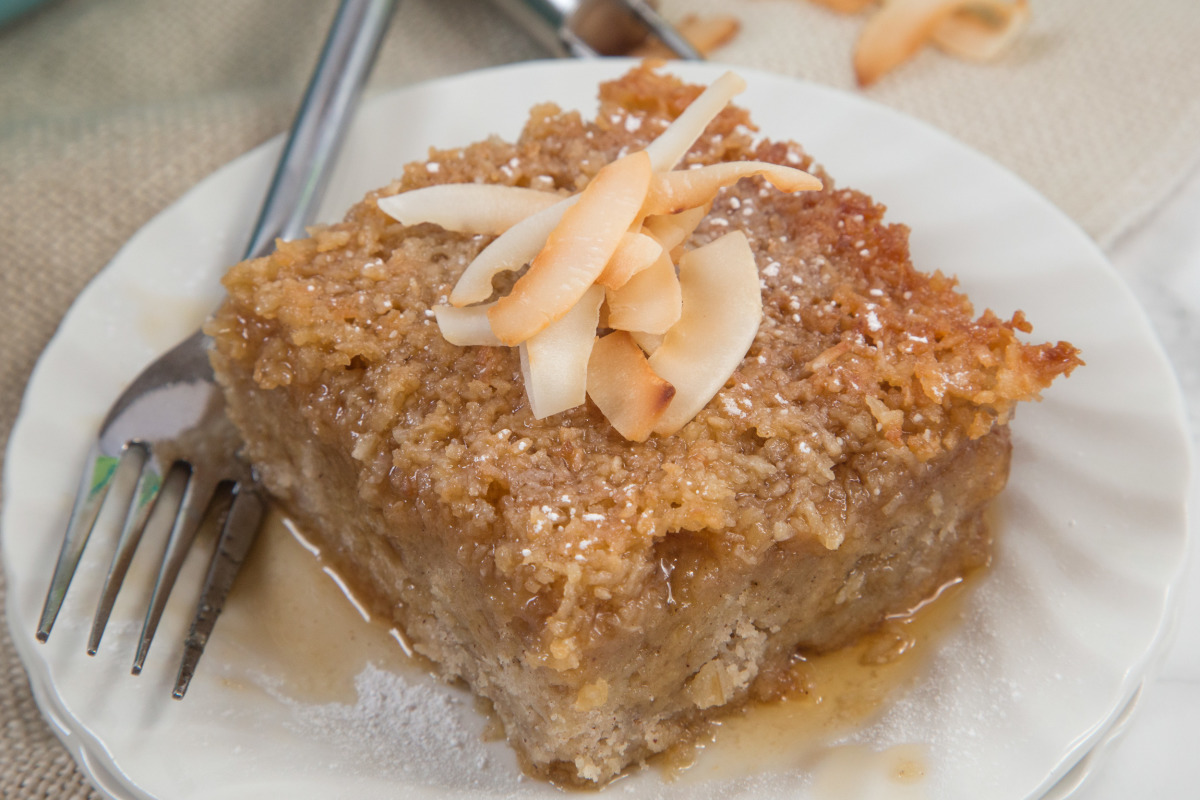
[(590, 28), (170, 424)]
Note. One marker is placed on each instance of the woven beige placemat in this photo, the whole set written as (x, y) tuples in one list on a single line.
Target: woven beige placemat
[(111, 110)]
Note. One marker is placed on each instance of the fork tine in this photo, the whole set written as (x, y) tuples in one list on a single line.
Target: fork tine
[(141, 504), (238, 534), (197, 497), (93, 486), (160, 402)]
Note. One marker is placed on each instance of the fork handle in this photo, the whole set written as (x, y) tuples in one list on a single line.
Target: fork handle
[(320, 125)]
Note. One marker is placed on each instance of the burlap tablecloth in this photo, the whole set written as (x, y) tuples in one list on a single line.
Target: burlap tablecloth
[(111, 109)]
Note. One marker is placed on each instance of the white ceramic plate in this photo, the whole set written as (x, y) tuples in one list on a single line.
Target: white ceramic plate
[(1058, 634)]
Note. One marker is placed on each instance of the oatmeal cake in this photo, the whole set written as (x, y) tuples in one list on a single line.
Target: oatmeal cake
[(609, 596)]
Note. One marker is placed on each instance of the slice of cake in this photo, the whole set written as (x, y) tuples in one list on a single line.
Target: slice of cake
[(611, 590)]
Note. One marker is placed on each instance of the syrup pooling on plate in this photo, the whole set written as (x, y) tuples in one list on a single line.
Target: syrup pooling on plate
[(295, 628), (295, 621), (799, 716)]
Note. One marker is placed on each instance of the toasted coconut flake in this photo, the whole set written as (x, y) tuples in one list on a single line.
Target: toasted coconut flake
[(672, 192), (672, 230), (465, 327), (554, 363), (467, 207), (624, 388), (982, 29), (722, 309), (649, 342), (513, 249), (895, 33), (635, 252), (601, 245), (650, 301), (673, 143), (576, 251)]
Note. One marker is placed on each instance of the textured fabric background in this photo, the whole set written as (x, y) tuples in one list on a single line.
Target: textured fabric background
[(111, 109)]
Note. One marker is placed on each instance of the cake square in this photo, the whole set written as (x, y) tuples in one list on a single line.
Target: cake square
[(609, 596)]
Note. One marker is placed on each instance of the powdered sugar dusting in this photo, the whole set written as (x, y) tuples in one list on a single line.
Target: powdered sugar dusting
[(415, 730)]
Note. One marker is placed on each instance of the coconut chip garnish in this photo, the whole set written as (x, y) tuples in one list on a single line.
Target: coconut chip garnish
[(612, 306), (975, 30)]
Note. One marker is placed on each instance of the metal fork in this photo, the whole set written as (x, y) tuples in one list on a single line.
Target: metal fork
[(591, 28), (170, 424)]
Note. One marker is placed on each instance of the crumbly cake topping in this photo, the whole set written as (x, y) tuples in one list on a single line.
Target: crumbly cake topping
[(854, 343)]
